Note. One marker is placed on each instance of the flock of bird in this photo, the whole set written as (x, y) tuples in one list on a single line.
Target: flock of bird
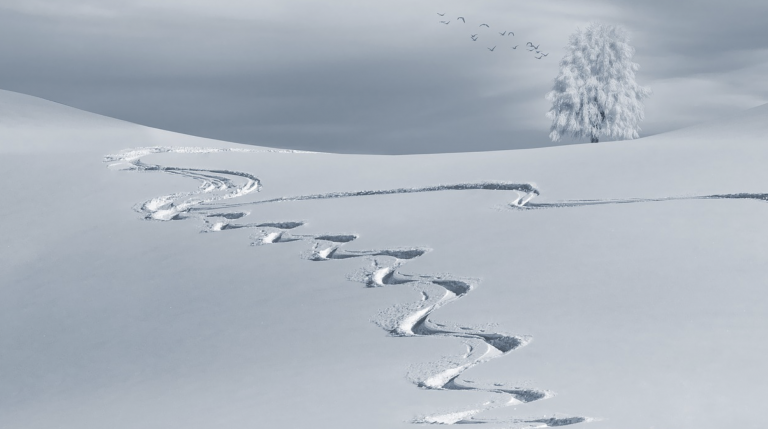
[(530, 47)]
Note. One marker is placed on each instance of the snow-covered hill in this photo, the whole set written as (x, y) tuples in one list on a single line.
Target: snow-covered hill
[(155, 280)]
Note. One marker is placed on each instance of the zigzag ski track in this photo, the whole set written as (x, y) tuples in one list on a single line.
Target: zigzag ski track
[(212, 203)]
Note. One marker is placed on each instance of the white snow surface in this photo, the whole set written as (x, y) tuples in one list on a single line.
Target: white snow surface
[(201, 284)]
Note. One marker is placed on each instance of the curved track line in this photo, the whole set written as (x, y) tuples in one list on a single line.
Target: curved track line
[(411, 320)]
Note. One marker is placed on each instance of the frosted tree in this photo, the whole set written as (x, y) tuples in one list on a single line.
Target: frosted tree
[(595, 93)]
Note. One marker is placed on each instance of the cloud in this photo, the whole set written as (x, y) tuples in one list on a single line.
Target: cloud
[(366, 76), (68, 9)]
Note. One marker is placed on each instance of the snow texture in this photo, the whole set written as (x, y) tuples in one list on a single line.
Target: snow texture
[(628, 293)]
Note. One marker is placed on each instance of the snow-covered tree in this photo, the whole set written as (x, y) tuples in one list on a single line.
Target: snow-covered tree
[(595, 93)]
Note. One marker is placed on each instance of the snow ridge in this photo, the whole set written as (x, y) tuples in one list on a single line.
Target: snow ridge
[(209, 205)]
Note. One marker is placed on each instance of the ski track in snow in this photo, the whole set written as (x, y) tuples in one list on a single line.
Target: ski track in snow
[(583, 203), (211, 204)]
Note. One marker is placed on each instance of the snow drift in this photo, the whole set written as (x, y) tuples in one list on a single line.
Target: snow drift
[(609, 285)]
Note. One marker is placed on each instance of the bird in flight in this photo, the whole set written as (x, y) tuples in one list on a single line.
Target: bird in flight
[(538, 58), (441, 14), (543, 54), (532, 45), (491, 49), (510, 32), (504, 33), (515, 47), (445, 22), (474, 37), (485, 25), (462, 19)]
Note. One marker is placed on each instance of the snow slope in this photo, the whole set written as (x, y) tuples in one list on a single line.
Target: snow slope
[(197, 283)]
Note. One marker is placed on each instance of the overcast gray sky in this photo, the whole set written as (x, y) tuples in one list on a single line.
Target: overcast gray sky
[(369, 76)]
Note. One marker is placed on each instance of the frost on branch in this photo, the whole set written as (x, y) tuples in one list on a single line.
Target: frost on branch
[(595, 93)]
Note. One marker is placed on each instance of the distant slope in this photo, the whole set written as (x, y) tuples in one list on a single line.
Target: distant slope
[(748, 124), (20, 112), (17, 110), (31, 124)]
